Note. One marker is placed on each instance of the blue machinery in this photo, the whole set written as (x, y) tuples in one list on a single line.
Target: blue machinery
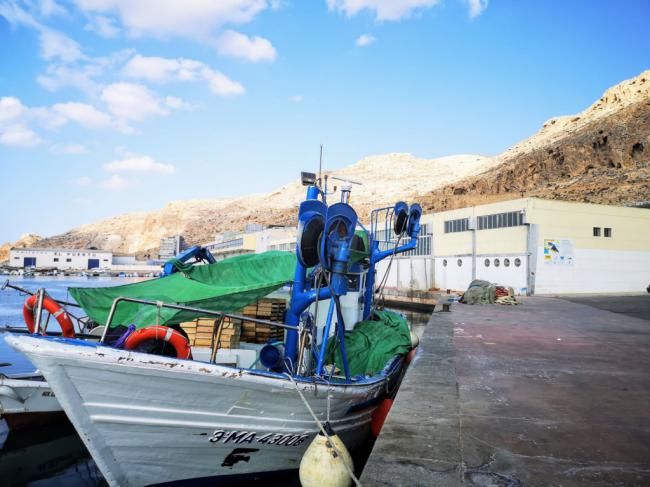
[(326, 237)]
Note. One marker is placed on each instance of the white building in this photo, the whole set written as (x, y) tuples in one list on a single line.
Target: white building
[(170, 247), (272, 238), (62, 259), (536, 246)]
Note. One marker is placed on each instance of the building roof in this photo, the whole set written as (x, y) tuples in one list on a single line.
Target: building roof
[(58, 249)]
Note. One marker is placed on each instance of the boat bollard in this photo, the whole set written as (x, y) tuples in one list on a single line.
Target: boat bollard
[(322, 465)]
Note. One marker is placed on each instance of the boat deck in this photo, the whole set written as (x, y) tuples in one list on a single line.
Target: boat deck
[(551, 392)]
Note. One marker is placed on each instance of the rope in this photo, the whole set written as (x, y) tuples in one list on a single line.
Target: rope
[(322, 430)]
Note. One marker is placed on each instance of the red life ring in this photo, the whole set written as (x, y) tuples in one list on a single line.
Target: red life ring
[(67, 327), (157, 332)]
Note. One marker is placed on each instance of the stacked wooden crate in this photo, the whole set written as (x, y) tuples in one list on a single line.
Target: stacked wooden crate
[(199, 332), (270, 309)]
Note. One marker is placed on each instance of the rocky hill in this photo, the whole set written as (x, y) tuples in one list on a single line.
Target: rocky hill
[(27, 240), (600, 155)]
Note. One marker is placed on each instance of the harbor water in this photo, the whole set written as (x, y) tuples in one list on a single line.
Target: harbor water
[(55, 455)]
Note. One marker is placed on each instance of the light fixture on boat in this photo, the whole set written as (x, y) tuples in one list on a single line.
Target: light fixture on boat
[(308, 178)]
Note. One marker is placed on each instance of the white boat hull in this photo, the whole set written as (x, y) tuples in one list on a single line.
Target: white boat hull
[(151, 420), (27, 402)]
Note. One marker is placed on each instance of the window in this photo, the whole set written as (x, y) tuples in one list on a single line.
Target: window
[(444, 262), (459, 225), (608, 232), (486, 262), (459, 262), (56, 259), (517, 262), (105, 260), (501, 220), (68, 260), (596, 231), (506, 262), (497, 262)]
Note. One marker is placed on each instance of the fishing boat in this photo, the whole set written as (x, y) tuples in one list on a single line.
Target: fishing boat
[(161, 416)]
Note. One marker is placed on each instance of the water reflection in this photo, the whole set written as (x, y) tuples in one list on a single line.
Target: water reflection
[(46, 456)]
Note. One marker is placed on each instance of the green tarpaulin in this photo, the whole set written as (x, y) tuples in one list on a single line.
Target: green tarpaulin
[(226, 286), (372, 343)]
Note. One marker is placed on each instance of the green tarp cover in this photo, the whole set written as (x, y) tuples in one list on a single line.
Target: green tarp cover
[(372, 343), (226, 286)]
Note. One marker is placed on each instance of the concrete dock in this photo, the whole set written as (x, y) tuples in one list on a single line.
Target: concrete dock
[(550, 392)]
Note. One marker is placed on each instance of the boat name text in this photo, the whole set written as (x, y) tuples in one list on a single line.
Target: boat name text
[(241, 437)]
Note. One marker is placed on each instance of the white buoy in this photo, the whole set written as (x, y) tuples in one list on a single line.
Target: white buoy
[(324, 466), (415, 340)]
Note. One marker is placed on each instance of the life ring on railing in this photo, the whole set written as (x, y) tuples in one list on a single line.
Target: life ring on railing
[(67, 327), (158, 332)]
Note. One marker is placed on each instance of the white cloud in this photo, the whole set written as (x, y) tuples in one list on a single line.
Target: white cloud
[(129, 101), (55, 45), (69, 149), (49, 8), (10, 108), (191, 18), (18, 135), (476, 7), (81, 75), (166, 70), (383, 9), (177, 103), (83, 114), (221, 85), (139, 164), (103, 25), (365, 40), (296, 98), (237, 45), (115, 183)]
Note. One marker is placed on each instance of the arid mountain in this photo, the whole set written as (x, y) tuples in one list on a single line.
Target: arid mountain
[(27, 240), (601, 155)]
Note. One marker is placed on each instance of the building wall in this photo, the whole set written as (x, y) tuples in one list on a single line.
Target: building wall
[(620, 263), (60, 258)]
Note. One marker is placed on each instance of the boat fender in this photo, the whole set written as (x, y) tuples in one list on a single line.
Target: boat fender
[(272, 355), (379, 416), (65, 322), (410, 356), (415, 340), (322, 466), (159, 332)]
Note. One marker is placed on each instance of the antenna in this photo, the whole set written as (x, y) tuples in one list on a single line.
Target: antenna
[(320, 167)]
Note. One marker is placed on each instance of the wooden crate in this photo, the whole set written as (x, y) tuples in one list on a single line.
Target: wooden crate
[(200, 332), (270, 309)]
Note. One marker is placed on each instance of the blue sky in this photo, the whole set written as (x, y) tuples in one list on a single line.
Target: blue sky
[(113, 106)]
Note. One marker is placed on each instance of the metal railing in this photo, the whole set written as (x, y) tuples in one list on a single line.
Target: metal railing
[(216, 330)]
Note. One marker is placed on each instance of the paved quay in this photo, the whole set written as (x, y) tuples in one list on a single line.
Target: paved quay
[(553, 392)]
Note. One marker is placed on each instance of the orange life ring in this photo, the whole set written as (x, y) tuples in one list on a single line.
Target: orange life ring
[(379, 416), (157, 332), (67, 327)]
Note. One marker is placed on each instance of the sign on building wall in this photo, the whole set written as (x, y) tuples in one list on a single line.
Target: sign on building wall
[(558, 251)]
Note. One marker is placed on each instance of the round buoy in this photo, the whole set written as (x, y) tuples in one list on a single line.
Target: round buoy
[(322, 466), (415, 340), (379, 416)]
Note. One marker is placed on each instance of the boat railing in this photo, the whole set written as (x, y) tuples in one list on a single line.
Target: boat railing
[(216, 330)]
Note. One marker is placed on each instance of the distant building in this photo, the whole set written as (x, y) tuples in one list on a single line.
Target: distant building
[(61, 259), (170, 247), (274, 238)]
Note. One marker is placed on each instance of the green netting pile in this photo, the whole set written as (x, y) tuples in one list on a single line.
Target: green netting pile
[(372, 343), (228, 286)]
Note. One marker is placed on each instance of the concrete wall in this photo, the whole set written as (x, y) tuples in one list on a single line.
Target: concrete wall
[(620, 263)]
